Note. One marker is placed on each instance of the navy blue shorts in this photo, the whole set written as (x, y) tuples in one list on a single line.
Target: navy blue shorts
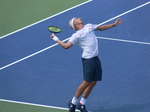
[(92, 70)]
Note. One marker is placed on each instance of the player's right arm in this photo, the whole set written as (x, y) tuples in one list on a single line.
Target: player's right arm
[(105, 27)]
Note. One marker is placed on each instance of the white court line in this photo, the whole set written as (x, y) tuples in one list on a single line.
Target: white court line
[(46, 19), (125, 13), (121, 40), (68, 38), (38, 105), (31, 55)]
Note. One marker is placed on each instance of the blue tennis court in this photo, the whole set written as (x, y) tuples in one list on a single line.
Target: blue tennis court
[(35, 70)]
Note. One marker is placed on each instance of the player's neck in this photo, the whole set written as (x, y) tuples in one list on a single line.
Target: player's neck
[(79, 27)]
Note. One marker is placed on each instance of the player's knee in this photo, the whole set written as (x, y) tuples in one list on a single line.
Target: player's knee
[(93, 83), (86, 83)]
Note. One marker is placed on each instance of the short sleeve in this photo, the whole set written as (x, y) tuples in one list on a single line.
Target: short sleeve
[(73, 39), (92, 26)]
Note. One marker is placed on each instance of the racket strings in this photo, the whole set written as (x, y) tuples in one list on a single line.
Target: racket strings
[(54, 29)]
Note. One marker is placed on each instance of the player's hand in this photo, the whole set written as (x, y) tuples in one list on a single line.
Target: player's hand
[(54, 37), (118, 22)]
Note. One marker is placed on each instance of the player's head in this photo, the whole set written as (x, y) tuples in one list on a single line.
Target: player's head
[(75, 22)]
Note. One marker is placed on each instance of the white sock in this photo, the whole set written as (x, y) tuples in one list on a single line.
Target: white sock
[(83, 101), (74, 100)]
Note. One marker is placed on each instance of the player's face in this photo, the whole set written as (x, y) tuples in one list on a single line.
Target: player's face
[(78, 21)]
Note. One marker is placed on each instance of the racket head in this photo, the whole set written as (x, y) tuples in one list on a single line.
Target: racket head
[(54, 29)]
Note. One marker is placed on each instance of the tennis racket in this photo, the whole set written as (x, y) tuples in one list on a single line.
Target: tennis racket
[(54, 29)]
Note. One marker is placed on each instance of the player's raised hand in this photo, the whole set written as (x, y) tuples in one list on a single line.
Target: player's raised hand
[(118, 22)]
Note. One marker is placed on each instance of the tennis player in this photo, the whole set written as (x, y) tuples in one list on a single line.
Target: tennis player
[(92, 71)]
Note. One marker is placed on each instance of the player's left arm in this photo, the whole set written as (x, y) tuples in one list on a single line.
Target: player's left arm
[(105, 27), (62, 44)]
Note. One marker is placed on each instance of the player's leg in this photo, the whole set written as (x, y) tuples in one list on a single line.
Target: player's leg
[(81, 105), (79, 92), (89, 89), (82, 88), (85, 88)]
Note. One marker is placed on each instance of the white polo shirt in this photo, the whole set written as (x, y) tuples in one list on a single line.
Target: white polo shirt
[(87, 40)]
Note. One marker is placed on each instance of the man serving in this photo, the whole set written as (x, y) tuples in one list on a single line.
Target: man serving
[(92, 70)]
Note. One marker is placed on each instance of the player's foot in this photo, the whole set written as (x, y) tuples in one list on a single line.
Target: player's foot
[(82, 108), (71, 107)]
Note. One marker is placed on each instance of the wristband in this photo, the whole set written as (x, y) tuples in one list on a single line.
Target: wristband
[(55, 38)]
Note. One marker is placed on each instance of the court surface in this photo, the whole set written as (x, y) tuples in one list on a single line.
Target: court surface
[(37, 75)]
